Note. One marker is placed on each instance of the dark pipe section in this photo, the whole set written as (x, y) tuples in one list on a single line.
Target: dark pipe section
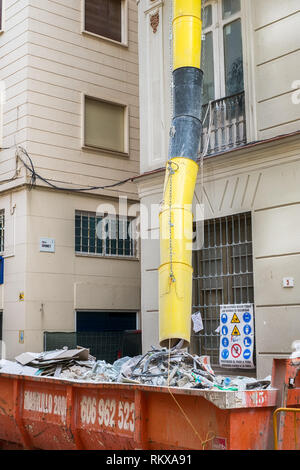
[(186, 126), (185, 137), (188, 92)]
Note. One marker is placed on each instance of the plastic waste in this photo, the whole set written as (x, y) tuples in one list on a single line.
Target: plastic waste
[(200, 379), (261, 384), (229, 389), (296, 353), (120, 362)]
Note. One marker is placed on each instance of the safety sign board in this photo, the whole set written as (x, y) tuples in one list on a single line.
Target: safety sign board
[(236, 336)]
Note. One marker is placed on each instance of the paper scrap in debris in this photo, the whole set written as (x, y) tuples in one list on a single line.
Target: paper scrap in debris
[(197, 321), (26, 358), (9, 367)]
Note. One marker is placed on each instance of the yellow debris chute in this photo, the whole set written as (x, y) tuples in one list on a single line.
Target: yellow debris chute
[(176, 219)]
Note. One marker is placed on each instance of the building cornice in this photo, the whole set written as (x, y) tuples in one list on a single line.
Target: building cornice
[(223, 157)]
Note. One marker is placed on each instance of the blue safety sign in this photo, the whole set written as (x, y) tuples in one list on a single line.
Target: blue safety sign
[(247, 329), (247, 341), (247, 354), (225, 353), (224, 330), (224, 318), (225, 342), (247, 317)]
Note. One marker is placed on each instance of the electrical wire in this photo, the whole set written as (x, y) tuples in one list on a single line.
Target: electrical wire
[(35, 176)]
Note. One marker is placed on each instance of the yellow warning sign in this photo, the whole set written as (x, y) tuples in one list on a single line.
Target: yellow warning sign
[(235, 319), (235, 332)]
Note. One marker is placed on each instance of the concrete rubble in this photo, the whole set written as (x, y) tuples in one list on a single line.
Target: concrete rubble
[(158, 367)]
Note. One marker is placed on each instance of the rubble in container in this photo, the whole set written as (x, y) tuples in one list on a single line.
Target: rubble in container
[(49, 363), (178, 368), (158, 367)]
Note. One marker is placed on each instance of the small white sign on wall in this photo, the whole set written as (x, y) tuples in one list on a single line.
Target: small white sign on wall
[(47, 245), (288, 282)]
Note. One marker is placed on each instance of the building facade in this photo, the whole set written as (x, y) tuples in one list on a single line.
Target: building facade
[(249, 178), (69, 120)]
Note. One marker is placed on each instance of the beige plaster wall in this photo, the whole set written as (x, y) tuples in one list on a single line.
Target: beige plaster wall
[(264, 180)]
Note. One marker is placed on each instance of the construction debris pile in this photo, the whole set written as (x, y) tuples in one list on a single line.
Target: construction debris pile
[(158, 367), (50, 363)]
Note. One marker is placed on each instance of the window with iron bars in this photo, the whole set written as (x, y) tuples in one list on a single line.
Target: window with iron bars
[(223, 274), (2, 230), (104, 235)]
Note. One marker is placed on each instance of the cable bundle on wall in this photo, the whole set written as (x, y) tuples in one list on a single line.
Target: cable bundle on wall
[(35, 176)]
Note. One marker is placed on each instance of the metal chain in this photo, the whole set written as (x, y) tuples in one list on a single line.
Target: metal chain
[(171, 173)]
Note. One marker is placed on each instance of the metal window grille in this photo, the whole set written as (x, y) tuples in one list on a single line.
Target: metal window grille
[(106, 236), (2, 230), (223, 274), (225, 126)]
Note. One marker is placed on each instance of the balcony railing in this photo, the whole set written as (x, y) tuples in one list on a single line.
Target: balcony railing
[(224, 124)]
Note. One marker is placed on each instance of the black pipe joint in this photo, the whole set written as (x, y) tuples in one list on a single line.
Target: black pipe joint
[(185, 137), (186, 128)]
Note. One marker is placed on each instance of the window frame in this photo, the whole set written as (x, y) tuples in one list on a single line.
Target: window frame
[(246, 16), (124, 26), (2, 18), (2, 101), (217, 29), (111, 151), (104, 254)]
